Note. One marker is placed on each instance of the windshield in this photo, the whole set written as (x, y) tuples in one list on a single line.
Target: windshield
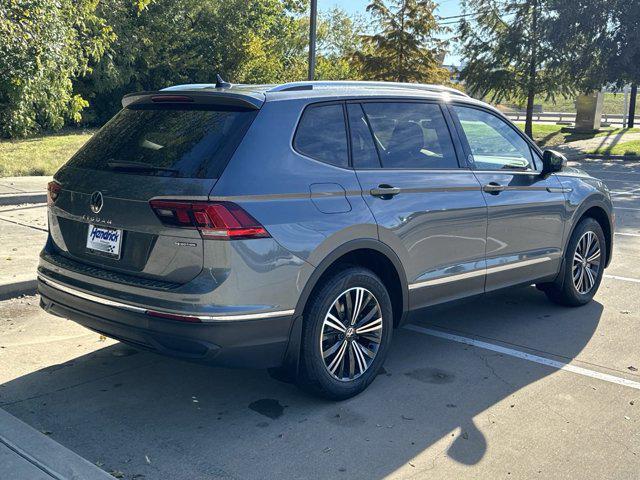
[(167, 140)]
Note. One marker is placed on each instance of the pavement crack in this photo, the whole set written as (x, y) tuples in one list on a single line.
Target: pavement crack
[(485, 360)]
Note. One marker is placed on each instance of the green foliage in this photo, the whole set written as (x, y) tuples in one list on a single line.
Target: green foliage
[(44, 45), (58, 57), (405, 49), (507, 52)]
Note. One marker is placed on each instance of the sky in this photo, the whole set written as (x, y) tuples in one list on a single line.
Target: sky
[(445, 8)]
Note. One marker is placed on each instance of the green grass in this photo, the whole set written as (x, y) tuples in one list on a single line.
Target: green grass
[(550, 135), (39, 155), (624, 148)]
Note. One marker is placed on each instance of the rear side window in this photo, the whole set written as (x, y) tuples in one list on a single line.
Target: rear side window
[(322, 135), (411, 135), (164, 141)]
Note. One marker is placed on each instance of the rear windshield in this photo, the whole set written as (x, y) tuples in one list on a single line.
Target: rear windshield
[(166, 141)]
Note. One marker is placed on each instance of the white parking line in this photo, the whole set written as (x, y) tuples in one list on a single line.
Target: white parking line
[(624, 279), (626, 208), (627, 234), (525, 356)]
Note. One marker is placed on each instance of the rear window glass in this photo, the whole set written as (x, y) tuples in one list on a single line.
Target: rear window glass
[(165, 141), (322, 135)]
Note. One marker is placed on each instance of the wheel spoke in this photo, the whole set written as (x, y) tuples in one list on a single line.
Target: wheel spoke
[(371, 326), (362, 363), (366, 351), (331, 350), (366, 318), (357, 305), (338, 358), (595, 256), (590, 278), (334, 323), (352, 363)]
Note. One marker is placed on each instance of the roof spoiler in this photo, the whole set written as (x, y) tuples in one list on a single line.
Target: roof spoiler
[(197, 96)]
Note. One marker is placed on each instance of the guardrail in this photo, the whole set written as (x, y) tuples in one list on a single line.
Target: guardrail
[(564, 117)]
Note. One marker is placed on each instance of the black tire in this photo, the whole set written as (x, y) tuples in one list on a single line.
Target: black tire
[(314, 375), (564, 290)]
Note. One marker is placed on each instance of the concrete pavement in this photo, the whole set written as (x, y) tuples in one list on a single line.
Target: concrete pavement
[(16, 190), (23, 233), (26, 454)]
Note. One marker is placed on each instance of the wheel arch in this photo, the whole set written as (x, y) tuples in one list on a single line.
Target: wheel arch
[(598, 212), (368, 253)]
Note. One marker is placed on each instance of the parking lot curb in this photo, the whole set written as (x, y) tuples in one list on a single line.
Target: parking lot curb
[(27, 451), (25, 285), (19, 198)]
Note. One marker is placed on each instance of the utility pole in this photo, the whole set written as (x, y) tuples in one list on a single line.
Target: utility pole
[(313, 17), (632, 105)]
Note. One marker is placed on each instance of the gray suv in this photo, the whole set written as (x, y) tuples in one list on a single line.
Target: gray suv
[(294, 227)]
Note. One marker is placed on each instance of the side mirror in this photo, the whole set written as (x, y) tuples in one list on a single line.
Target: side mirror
[(552, 162)]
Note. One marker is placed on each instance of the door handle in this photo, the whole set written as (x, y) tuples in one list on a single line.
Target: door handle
[(384, 191), (493, 188)]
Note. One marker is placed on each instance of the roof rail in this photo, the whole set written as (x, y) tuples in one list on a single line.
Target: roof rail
[(285, 87)]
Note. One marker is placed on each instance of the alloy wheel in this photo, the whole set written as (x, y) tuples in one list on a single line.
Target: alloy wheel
[(586, 263), (351, 334)]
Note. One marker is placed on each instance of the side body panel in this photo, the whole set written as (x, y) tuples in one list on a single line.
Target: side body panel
[(437, 226), (526, 226)]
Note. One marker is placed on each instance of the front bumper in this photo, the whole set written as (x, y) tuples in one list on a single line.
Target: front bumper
[(248, 341)]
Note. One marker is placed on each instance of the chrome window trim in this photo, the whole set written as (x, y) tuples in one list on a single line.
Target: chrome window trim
[(476, 273), (134, 308)]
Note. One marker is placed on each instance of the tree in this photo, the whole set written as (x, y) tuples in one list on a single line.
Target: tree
[(507, 53), (44, 46), (406, 47), (625, 65), (599, 41)]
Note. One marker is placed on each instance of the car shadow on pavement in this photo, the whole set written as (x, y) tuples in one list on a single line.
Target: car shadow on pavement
[(156, 418)]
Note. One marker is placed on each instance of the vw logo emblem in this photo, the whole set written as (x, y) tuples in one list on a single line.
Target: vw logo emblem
[(96, 202)]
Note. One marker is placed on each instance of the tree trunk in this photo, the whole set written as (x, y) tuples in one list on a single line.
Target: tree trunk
[(531, 88), (632, 105)]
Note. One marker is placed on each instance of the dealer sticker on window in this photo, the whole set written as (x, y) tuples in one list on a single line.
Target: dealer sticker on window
[(104, 240)]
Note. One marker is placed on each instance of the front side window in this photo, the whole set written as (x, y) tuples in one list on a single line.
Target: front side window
[(494, 144), (322, 135)]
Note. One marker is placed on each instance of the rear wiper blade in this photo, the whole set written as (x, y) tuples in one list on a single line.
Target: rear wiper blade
[(138, 167)]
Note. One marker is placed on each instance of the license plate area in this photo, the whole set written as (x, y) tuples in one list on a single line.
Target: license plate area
[(104, 241)]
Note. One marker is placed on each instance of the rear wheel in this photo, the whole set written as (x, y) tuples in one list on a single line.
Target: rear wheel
[(584, 263), (346, 333)]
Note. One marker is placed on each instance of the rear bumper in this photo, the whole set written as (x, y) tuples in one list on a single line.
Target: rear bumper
[(237, 341)]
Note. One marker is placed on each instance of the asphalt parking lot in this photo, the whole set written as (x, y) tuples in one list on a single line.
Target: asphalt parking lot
[(503, 386)]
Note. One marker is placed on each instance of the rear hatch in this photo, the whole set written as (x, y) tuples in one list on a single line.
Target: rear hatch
[(161, 146)]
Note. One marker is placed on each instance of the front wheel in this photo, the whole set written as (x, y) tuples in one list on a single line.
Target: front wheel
[(584, 262), (346, 334)]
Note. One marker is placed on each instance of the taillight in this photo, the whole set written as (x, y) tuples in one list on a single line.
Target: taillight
[(214, 220), (53, 191)]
